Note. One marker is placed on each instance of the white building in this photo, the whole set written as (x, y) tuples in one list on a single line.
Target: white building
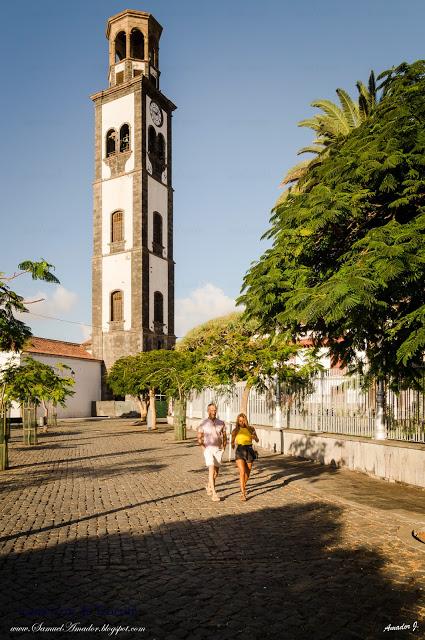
[(87, 373)]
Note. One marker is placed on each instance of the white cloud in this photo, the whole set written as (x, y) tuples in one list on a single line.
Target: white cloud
[(203, 304), (61, 301), (58, 302)]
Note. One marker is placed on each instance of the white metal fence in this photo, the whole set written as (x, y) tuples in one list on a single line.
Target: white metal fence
[(334, 403)]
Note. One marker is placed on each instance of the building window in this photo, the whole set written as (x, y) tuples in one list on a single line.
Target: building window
[(117, 314), (157, 245), (137, 45), (161, 151), (111, 137), (151, 140), (125, 138), (158, 310), (120, 46), (117, 226), (156, 152)]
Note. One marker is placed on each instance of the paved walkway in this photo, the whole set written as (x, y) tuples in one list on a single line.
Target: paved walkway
[(105, 524)]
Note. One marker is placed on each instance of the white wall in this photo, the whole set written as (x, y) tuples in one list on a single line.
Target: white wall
[(116, 274), (117, 194), (87, 385), (114, 115)]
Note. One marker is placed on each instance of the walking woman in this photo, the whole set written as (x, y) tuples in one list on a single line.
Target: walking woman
[(245, 455)]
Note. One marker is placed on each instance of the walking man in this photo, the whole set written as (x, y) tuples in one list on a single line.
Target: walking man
[(212, 437)]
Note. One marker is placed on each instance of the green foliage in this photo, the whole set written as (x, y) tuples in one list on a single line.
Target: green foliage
[(348, 254), (36, 382), (14, 332), (230, 351), (171, 372)]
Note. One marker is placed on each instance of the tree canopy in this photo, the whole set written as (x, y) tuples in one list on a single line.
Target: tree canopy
[(36, 382), (348, 253), (230, 350), (14, 332)]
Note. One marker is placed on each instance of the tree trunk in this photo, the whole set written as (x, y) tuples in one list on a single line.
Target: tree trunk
[(4, 461), (245, 398), (180, 419), (46, 416), (152, 407), (143, 408)]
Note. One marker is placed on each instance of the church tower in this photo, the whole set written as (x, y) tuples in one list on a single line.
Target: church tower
[(133, 268)]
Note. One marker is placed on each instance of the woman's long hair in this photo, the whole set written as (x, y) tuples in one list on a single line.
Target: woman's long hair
[(244, 419)]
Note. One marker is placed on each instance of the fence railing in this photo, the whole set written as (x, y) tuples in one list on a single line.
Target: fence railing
[(333, 403)]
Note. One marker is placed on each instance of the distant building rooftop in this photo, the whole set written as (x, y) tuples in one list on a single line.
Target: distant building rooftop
[(49, 347)]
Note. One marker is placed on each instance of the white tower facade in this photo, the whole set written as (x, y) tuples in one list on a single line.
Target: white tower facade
[(133, 267)]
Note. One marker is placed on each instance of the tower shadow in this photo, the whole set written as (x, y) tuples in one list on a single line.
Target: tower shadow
[(272, 573)]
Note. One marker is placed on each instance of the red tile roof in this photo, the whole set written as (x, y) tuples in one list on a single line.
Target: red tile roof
[(57, 348)]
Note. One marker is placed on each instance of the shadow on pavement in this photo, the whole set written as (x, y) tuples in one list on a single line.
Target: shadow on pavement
[(273, 573), (22, 480)]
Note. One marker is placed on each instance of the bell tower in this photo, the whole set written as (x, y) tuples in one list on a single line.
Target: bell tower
[(133, 267)]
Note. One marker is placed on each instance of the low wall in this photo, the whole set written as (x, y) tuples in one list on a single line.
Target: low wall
[(393, 460), (389, 459), (117, 409)]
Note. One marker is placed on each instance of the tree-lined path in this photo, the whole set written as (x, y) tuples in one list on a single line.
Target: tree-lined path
[(105, 524)]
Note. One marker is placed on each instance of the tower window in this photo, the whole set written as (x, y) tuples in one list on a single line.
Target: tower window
[(157, 234), (158, 310), (117, 314), (117, 226), (119, 77), (151, 140), (120, 46), (110, 142), (156, 150), (125, 138), (161, 152), (137, 45)]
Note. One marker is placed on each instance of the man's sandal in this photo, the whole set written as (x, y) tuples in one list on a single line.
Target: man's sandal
[(216, 498)]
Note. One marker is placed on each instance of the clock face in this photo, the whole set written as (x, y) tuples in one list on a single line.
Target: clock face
[(156, 114)]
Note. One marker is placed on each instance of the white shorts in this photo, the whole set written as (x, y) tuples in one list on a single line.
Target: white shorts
[(213, 456)]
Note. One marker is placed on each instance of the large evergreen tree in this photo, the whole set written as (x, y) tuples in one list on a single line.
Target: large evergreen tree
[(347, 263)]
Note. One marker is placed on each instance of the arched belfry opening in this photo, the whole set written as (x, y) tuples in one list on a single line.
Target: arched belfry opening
[(111, 142), (125, 138), (120, 46), (137, 45)]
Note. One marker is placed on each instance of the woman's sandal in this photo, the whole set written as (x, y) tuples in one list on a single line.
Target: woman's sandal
[(243, 497)]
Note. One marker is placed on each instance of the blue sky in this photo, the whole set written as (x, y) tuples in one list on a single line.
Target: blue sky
[(242, 74)]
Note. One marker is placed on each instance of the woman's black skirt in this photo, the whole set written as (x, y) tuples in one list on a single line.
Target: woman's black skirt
[(245, 452)]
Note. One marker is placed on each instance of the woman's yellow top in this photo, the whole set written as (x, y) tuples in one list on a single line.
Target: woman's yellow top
[(244, 436)]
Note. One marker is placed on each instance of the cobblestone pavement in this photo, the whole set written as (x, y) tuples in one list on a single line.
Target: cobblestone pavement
[(105, 524)]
